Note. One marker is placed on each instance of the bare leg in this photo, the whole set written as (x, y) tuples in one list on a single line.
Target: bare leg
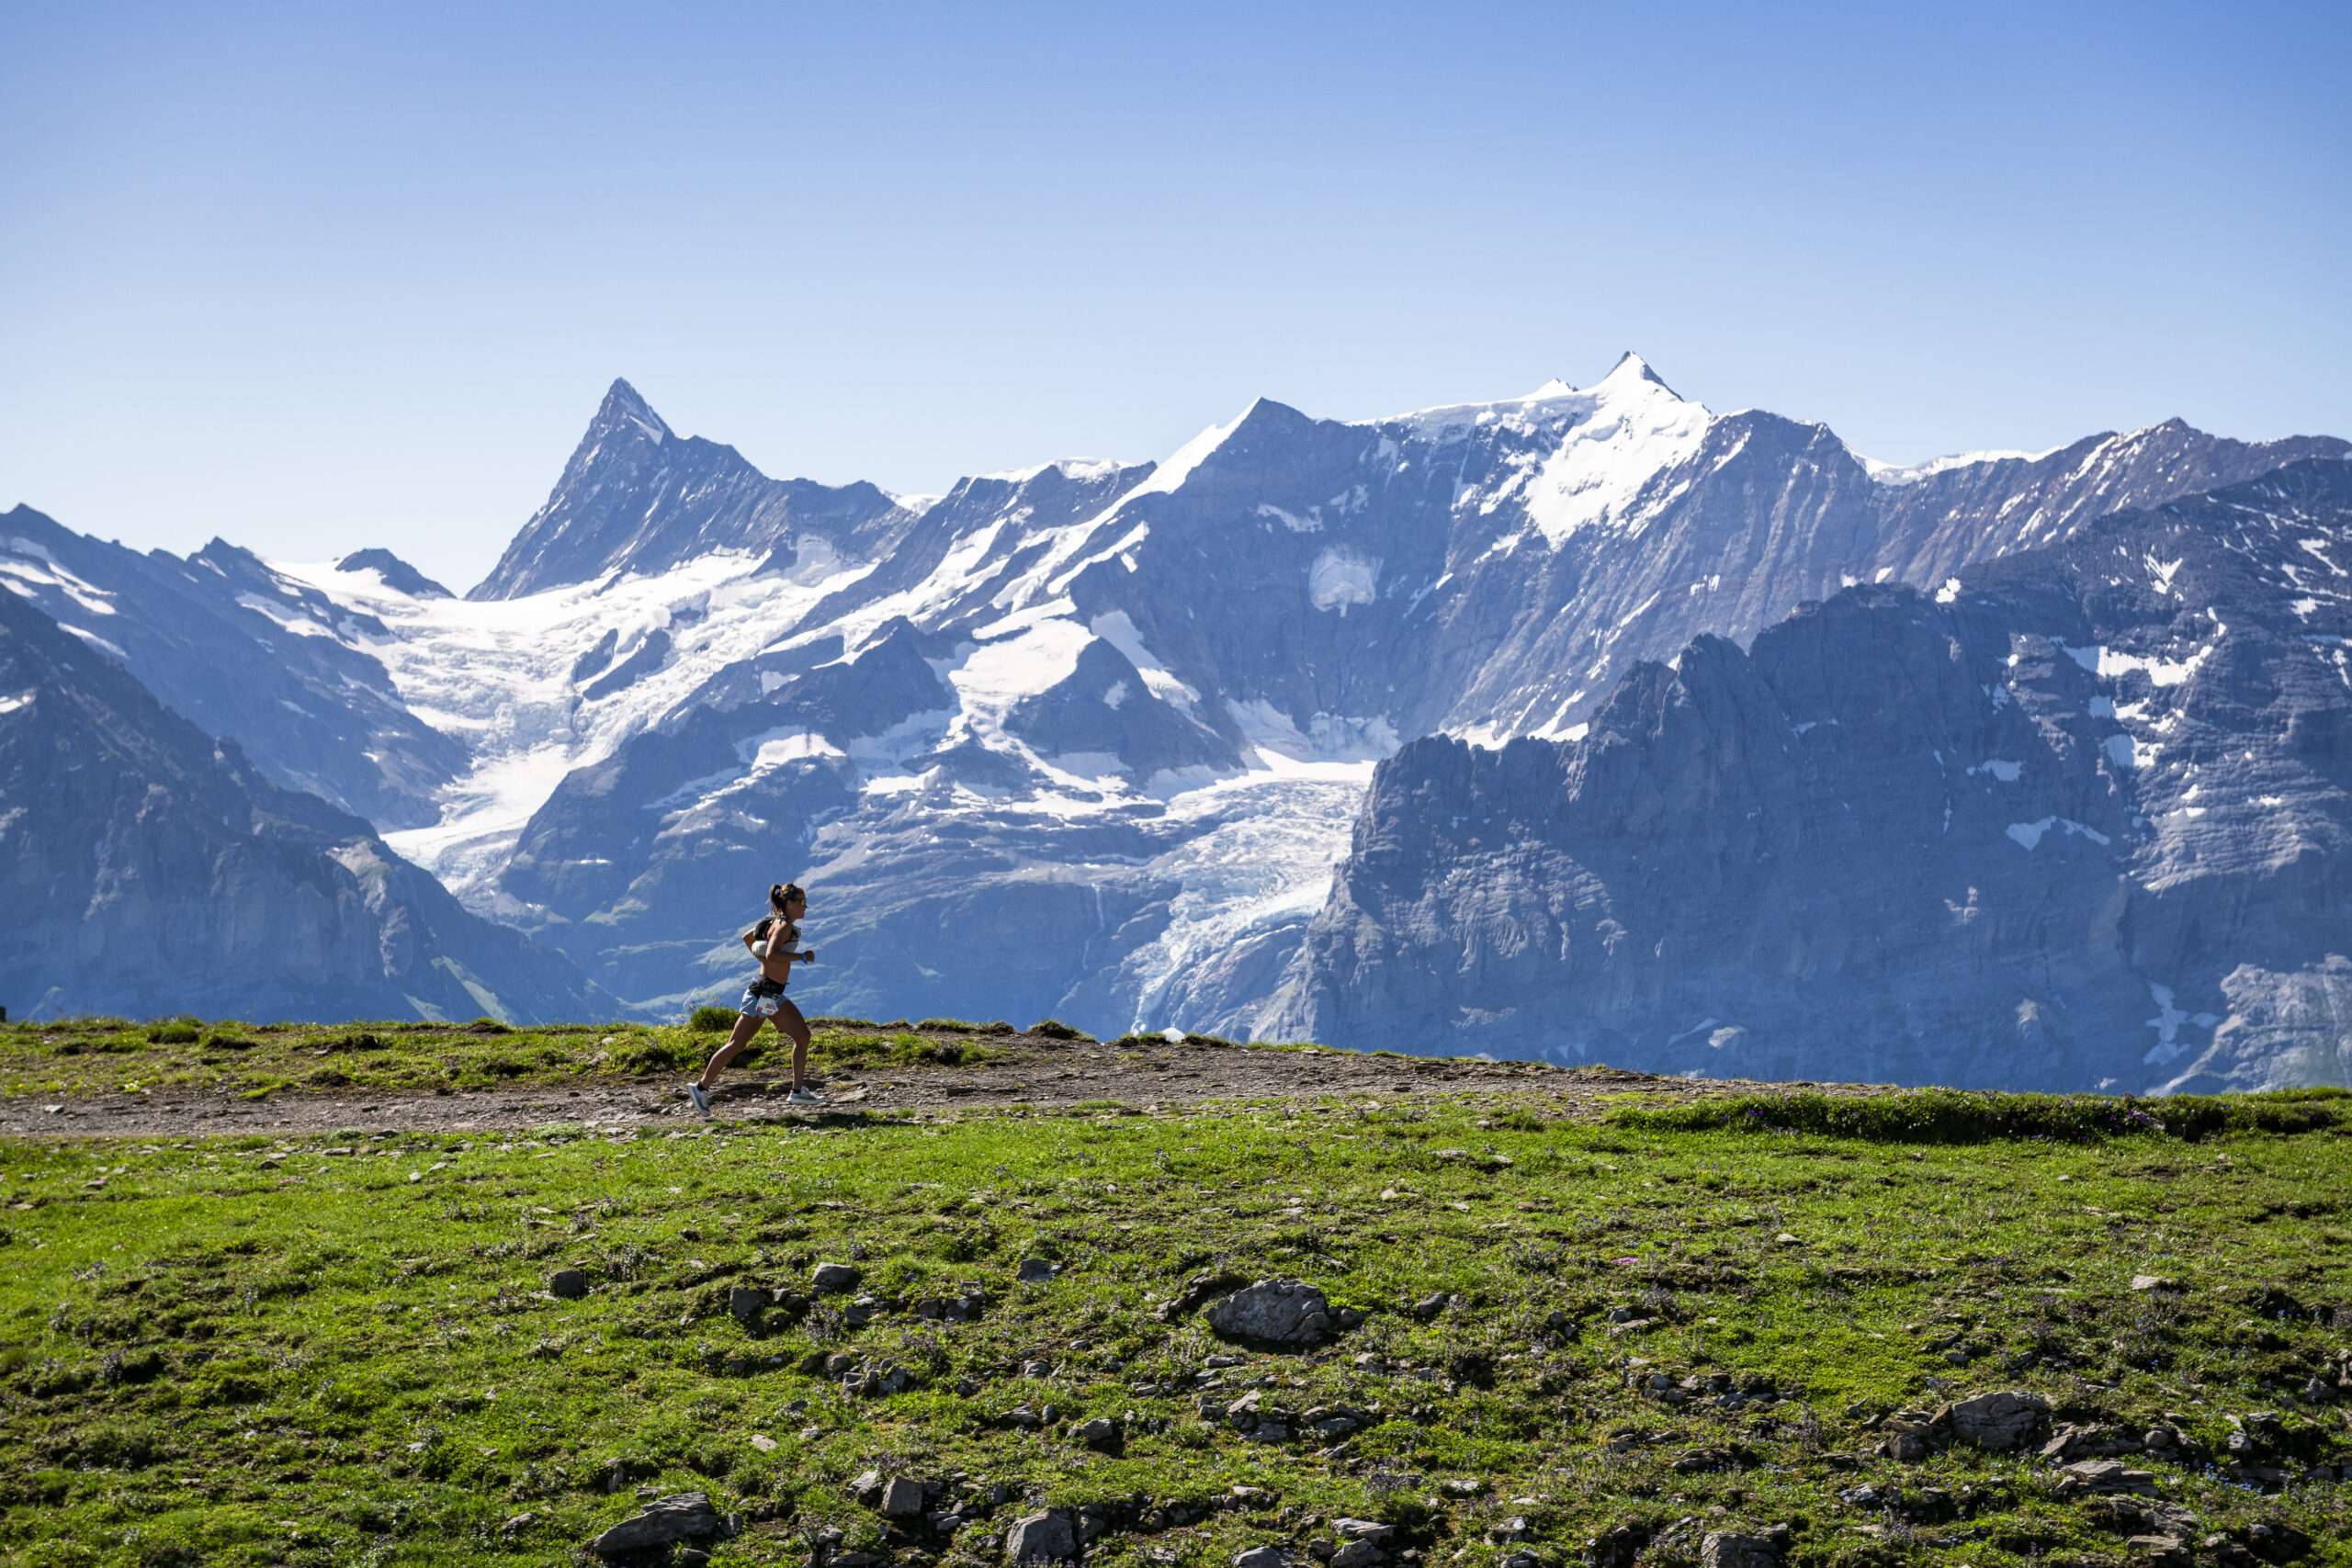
[(795, 1028), (744, 1029)]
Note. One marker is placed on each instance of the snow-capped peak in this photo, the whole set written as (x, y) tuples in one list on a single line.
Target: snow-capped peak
[(1181, 463), (1081, 468), (1912, 473), (1632, 373), (1631, 380)]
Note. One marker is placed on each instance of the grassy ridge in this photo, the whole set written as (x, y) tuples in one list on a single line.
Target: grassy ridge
[(341, 1351), (1961, 1116), (102, 1055)]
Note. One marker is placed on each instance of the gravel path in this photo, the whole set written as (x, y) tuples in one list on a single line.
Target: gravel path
[(1033, 1072)]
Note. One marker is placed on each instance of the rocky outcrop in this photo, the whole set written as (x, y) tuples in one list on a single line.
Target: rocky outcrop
[(149, 869), (2080, 820)]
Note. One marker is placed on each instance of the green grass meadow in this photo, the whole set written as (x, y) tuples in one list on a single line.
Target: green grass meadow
[(100, 1055), (342, 1349)]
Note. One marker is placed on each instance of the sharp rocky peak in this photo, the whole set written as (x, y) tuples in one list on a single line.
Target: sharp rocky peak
[(624, 409)]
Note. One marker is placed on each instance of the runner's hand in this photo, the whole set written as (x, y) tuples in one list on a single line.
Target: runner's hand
[(808, 955)]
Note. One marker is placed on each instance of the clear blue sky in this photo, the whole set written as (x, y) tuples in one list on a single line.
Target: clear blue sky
[(319, 277)]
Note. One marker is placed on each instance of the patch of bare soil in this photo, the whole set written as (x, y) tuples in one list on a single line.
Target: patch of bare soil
[(1031, 1071)]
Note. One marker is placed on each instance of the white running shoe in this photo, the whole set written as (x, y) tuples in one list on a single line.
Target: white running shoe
[(700, 1096), (803, 1097)]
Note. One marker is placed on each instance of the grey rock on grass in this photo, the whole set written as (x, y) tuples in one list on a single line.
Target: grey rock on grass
[(687, 1516), (1286, 1314), (1041, 1538), (831, 1279), (567, 1285), (1997, 1422), (1725, 1550)]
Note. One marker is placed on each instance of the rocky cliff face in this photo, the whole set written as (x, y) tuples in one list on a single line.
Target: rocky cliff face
[(2077, 820), (638, 498), (244, 652), (148, 869)]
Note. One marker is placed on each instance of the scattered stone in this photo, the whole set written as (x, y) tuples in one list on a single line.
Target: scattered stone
[(1371, 1530), (519, 1523), (964, 1308), (1784, 1239), (2103, 1475), (1287, 1314), (1428, 1306), (1995, 1422), (1102, 1435), (1197, 1289), (902, 1497), (762, 1442), (2071, 1442), (831, 1279), (1904, 1436), (1697, 1460), (1262, 1557), (1334, 1421), (1618, 1547), (1034, 1271), (1041, 1538), (567, 1285), (747, 1306), (688, 1516), (1720, 1549), (2153, 1283)]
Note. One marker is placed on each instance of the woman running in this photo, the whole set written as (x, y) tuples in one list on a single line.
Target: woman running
[(775, 943)]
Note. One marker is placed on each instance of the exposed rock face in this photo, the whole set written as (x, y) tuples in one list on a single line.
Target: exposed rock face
[(148, 869), (705, 498), (2081, 821), (248, 653)]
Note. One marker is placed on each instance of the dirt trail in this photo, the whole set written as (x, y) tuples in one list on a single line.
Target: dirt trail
[(1033, 1072)]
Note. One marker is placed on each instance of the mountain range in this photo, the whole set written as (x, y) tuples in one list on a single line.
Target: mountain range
[(1089, 739)]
